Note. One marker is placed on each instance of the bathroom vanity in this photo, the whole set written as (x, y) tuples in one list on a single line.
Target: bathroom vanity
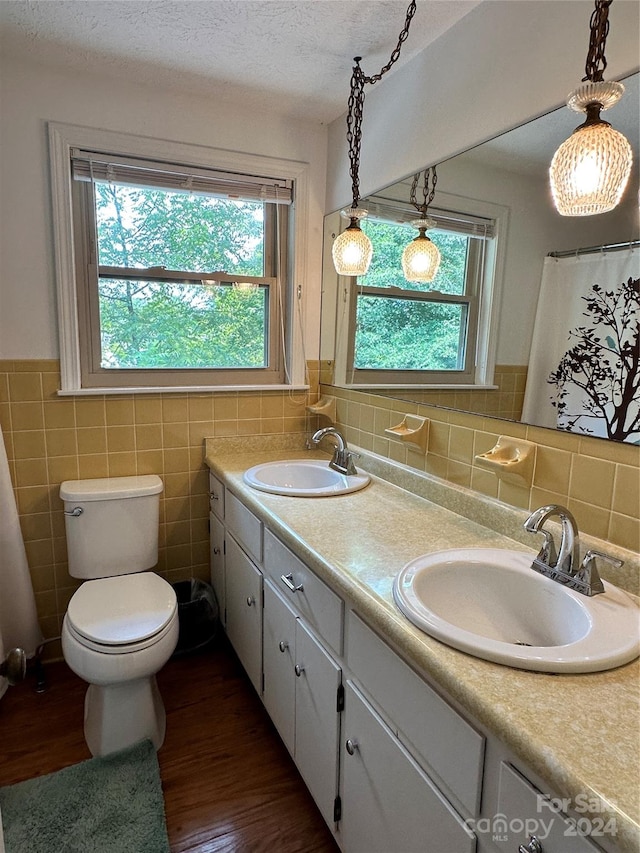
[(404, 743)]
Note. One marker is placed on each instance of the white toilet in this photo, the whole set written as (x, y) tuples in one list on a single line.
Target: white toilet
[(121, 625)]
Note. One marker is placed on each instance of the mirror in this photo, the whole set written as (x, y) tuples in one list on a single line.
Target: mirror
[(508, 174)]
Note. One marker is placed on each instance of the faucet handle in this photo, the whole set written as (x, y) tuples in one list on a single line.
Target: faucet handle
[(588, 572)]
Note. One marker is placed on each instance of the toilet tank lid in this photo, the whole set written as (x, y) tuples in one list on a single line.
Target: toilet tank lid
[(110, 488)]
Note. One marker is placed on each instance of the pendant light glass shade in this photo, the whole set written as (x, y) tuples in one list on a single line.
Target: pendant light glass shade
[(590, 170), (421, 257), (352, 249)]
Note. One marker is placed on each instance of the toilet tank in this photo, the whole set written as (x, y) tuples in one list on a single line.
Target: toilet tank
[(116, 532)]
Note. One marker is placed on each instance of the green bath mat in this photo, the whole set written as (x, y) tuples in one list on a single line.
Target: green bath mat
[(112, 804)]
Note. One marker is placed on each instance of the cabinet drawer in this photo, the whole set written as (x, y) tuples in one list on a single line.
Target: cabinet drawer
[(216, 496), (244, 525), (526, 812), (312, 598), (452, 749)]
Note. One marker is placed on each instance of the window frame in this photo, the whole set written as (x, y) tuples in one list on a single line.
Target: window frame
[(483, 300), (74, 313)]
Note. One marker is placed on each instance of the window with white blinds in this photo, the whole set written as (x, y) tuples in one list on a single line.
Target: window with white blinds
[(178, 274)]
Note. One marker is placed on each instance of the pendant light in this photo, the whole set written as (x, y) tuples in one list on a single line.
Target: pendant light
[(352, 250), (421, 257), (590, 170)]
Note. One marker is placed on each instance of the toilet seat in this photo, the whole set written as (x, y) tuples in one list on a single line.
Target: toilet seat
[(122, 614)]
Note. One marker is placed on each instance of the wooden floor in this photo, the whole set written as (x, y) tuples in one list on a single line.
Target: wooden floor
[(229, 783)]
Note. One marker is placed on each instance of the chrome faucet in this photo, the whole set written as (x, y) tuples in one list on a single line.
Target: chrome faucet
[(342, 460), (564, 565), (568, 557)]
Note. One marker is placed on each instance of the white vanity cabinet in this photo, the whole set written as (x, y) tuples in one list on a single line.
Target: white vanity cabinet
[(244, 610), (393, 765), (216, 542), (243, 585), (302, 687), (388, 801)]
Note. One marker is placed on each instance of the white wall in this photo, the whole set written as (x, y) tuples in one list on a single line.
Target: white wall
[(503, 64), (533, 230), (31, 95)]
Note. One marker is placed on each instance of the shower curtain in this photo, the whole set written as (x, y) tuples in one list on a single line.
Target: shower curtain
[(576, 344), (18, 620)]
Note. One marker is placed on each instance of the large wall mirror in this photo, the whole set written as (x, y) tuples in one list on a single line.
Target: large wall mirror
[(505, 181)]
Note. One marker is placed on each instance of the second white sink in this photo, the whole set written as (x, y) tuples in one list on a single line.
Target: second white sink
[(303, 478), (491, 604)]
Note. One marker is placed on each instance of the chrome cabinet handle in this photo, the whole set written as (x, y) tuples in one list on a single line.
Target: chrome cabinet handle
[(213, 496), (287, 580), (75, 512), (250, 600), (533, 846), (298, 670), (283, 646), (216, 551), (351, 745)]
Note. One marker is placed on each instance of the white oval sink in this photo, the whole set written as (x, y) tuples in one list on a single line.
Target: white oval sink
[(303, 478), (491, 604)]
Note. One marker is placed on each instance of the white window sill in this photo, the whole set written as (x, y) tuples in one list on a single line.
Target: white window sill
[(388, 387), (178, 389)]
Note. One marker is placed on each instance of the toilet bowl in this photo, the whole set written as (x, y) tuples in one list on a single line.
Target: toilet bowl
[(121, 624), (117, 634)]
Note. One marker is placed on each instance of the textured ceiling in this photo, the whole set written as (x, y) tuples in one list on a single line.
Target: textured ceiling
[(293, 56)]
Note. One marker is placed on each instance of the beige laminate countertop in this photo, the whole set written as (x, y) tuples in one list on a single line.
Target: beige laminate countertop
[(579, 733)]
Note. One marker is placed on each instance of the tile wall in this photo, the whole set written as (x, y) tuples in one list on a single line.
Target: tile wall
[(51, 438), (504, 402), (599, 481)]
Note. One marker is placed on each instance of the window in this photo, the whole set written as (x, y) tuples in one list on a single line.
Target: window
[(404, 333), (178, 274)]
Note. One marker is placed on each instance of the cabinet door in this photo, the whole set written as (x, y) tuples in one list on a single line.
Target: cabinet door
[(318, 678), (244, 609), (216, 546), (279, 644), (388, 802)]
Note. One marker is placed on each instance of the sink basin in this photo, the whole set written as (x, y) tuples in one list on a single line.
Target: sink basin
[(303, 478), (491, 604)]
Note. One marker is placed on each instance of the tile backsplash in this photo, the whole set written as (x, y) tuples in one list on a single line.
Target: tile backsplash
[(51, 438), (599, 481)]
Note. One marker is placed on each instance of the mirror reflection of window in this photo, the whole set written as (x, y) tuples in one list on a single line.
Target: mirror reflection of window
[(422, 333)]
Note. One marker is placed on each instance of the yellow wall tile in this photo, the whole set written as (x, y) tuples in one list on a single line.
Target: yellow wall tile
[(59, 414), (552, 470), (29, 445), (27, 416), (31, 472), (92, 440), (61, 442), (90, 412), (626, 490), (592, 480), (147, 409), (119, 411), (24, 387)]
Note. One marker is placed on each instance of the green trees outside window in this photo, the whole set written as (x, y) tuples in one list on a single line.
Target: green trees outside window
[(397, 332), (172, 323)]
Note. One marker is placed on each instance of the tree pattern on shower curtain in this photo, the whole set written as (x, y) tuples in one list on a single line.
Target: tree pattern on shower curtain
[(599, 375)]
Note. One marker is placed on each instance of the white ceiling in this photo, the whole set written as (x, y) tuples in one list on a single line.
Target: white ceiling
[(292, 56)]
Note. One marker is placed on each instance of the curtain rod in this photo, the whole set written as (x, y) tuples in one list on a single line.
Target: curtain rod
[(590, 250)]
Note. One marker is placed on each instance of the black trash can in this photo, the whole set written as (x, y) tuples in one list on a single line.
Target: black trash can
[(198, 615)]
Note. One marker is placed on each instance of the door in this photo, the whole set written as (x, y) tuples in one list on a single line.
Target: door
[(244, 610), (318, 678), (216, 546), (279, 645), (388, 802)]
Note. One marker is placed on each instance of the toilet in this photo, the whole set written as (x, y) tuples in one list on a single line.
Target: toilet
[(121, 625)]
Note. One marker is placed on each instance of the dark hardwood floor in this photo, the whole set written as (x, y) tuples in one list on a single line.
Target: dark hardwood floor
[(229, 784)]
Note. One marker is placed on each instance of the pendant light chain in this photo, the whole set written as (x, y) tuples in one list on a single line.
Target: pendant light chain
[(430, 176), (356, 103), (599, 24)]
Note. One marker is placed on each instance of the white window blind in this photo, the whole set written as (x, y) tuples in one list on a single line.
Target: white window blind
[(93, 165), (446, 220)]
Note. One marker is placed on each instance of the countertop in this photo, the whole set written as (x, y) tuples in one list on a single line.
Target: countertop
[(579, 733)]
